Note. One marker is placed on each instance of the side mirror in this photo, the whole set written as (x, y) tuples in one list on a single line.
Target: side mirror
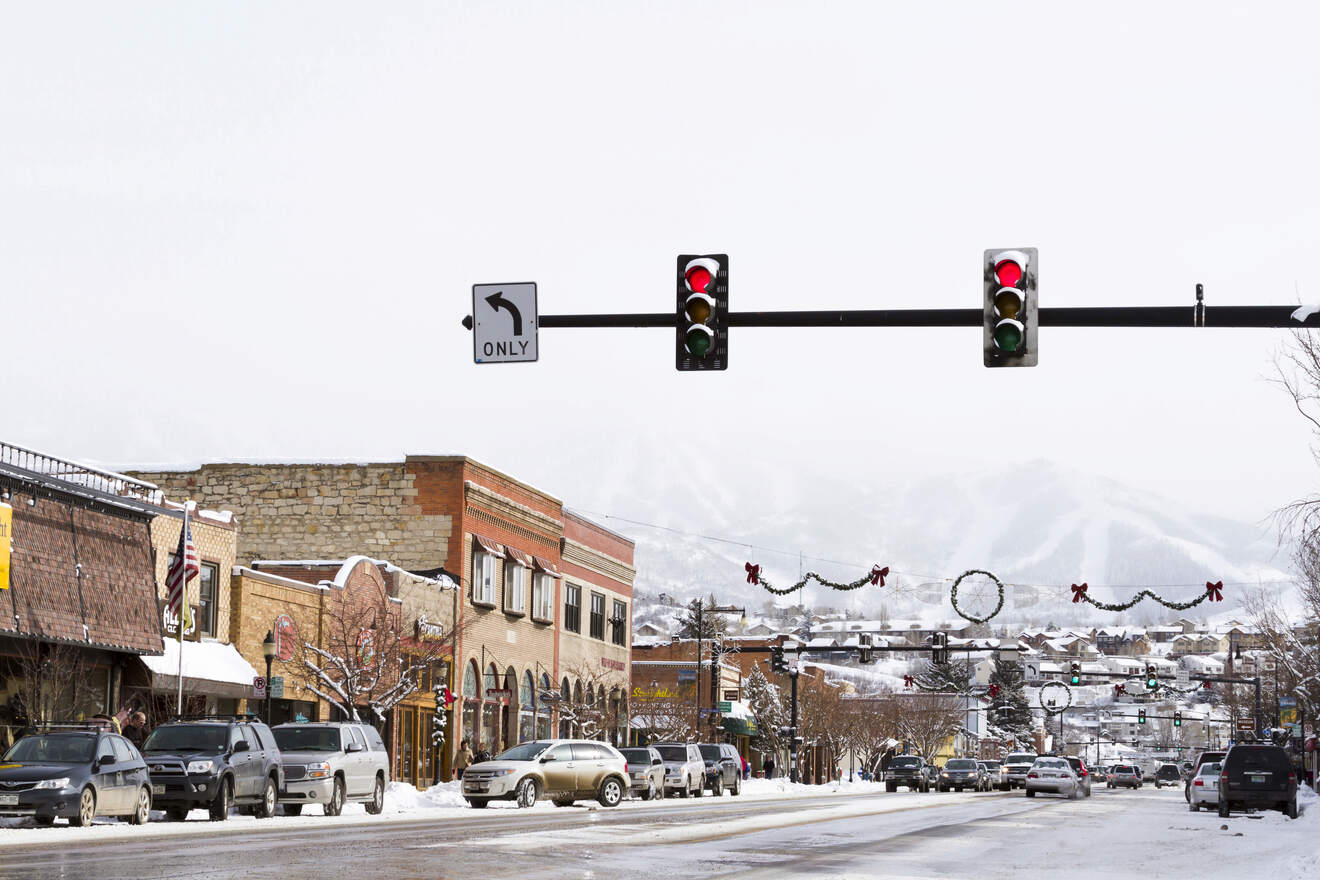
[(353, 747), (545, 758), (241, 746)]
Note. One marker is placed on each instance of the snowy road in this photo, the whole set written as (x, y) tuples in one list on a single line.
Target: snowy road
[(986, 836)]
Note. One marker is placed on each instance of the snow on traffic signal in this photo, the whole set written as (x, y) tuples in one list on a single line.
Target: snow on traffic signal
[(1009, 338), (702, 312)]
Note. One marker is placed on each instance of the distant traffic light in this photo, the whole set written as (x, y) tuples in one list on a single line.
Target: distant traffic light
[(1076, 677), (1141, 716), (777, 664), (702, 312), (1010, 307), (939, 643), (1152, 680), (1177, 719), (865, 652)]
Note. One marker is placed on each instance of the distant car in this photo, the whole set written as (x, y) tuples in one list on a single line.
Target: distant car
[(1207, 757), (1257, 775), (991, 769), (1168, 774), (1205, 787), (1052, 776), (1099, 774), (646, 772), (685, 769), (564, 770), (75, 775), (1013, 772), (723, 768), (1082, 773), (1123, 776), (960, 774), (332, 763), (908, 771)]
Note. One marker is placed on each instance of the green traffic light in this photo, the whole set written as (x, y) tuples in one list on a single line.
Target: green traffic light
[(1076, 679), (1008, 336), (698, 341)]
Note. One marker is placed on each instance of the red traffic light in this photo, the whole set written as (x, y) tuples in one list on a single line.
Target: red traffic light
[(1008, 273), (698, 278)]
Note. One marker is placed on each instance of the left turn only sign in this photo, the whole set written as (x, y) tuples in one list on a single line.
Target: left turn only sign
[(504, 324)]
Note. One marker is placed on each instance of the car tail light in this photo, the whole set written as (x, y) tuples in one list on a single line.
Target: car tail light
[(1033, 775), (1292, 777), (626, 768), (1083, 773), (1198, 782)]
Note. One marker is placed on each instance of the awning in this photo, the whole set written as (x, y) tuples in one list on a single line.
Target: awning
[(210, 668), (546, 566), (488, 545), (519, 557), (740, 726)]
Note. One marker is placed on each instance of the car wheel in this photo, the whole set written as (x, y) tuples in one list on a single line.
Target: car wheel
[(611, 792), (717, 789), (684, 791), (891, 786), (737, 786), (376, 805), (698, 791), (266, 808), (527, 793), (650, 791), (1291, 809), (142, 810), (335, 805), (293, 809), (1031, 792), (86, 808), (224, 799), (176, 814), (1223, 809), (477, 803)]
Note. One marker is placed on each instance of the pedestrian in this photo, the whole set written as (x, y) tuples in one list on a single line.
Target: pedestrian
[(463, 759), (746, 768), (769, 765), (136, 729)]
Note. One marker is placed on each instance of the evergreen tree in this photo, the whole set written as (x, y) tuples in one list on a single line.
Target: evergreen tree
[(955, 676), (712, 625), (768, 709), (1009, 710)]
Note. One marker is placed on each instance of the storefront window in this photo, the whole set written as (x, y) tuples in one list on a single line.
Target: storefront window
[(543, 710), (526, 710), (471, 702)]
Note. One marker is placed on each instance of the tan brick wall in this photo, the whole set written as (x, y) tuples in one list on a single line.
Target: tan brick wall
[(319, 511), (216, 545), (256, 600)]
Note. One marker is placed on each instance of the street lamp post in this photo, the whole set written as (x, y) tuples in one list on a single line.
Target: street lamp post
[(268, 651)]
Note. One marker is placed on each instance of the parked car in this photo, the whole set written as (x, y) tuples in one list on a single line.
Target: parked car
[(1013, 772), (1207, 757), (991, 769), (932, 774), (684, 768), (332, 763), (563, 770), (1052, 776), (217, 763), (907, 770), (1257, 775), (960, 774), (1205, 787), (646, 772), (1168, 774), (1124, 776), (75, 775), (722, 768), (1082, 772)]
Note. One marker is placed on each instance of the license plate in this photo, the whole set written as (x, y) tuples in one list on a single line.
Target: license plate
[(158, 789), (1255, 778), (8, 800), (479, 787)]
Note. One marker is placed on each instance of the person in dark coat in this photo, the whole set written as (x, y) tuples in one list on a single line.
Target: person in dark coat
[(769, 765), (136, 729)]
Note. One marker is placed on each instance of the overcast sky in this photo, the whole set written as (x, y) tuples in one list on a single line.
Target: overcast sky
[(251, 230)]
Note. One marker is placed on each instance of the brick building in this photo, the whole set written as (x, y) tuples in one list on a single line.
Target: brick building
[(544, 619)]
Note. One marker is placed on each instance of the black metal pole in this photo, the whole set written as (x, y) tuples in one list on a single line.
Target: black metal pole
[(1257, 681), (697, 676), (792, 723), (268, 662)]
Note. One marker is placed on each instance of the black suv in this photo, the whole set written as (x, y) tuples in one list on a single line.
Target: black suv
[(1257, 776), (907, 770), (214, 763), (723, 768)]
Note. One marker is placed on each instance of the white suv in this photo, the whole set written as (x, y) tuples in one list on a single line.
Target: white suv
[(331, 763), (685, 769)]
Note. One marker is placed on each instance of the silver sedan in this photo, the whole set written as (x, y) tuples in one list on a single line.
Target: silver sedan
[(1052, 776)]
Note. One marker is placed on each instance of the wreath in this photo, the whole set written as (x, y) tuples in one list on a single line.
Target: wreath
[(953, 596), (1050, 708)]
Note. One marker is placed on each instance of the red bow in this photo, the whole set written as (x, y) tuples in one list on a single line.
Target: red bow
[(1120, 689), (447, 696), (994, 690), (908, 681), (1078, 592), (1215, 591), (879, 574), (753, 573), (1206, 685)]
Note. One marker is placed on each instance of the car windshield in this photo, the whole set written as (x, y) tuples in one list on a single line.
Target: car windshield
[(41, 749), (673, 753), (960, 764), (187, 738), (906, 762), (636, 756), (710, 753), (1051, 763), (1022, 758), (307, 739), (991, 764), (525, 752)]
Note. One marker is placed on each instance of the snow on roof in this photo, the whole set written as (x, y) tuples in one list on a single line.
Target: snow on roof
[(211, 661), (346, 566)]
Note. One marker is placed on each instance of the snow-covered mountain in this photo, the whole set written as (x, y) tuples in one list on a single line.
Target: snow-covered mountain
[(1039, 527)]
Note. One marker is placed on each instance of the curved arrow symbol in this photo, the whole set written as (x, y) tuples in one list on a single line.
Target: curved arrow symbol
[(497, 302)]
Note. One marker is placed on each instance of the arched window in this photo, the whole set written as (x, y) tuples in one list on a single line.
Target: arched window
[(566, 700), (490, 712), (526, 709), (471, 704), (543, 709)]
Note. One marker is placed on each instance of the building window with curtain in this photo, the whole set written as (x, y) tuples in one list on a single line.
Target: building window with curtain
[(543, 598), (598, 616), (618, 622), (573, 608), (485, 577), (208, 579), (515, 588)]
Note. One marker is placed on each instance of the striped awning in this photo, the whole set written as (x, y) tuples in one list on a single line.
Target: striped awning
[(488, 545), (546, 566), (518, 556)]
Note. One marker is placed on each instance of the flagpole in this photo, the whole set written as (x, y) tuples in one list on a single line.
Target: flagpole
[(183, 602)]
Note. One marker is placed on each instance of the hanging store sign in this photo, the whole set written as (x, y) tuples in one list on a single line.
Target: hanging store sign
[(286, 635), (6, 525), (427, 630)]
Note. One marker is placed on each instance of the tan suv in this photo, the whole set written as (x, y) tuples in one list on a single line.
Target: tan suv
[(564, 770)]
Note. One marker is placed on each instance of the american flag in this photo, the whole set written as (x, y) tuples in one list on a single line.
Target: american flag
[(184, 568)]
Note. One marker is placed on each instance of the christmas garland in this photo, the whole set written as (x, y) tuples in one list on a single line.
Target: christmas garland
[(953, 596), (1051, 709), (1214, 592), (876, 576)]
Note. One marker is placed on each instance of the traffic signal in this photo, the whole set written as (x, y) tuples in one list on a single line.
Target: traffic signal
[(1177, 719), (1141, 716), (1010, 307), (1152, 680), (777, 664), (1076, 674), (939, 643), (865, 654), (702, 320)]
